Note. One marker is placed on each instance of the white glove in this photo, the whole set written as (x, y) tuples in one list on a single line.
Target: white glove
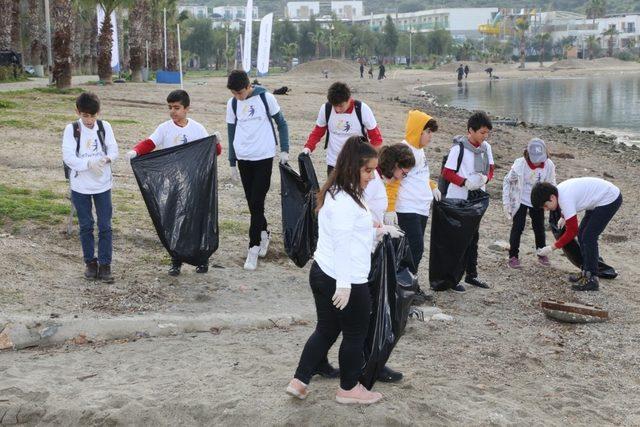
[(96, 167), (561, 222), (132, 154), (284, 157), (235, 175), (390, 218), (341, 297), (307, 151), (475, 182), (507, 214), (391, 230), (485, 178), (546, 251), (437, 195)]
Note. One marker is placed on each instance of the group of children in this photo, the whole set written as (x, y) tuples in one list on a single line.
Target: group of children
[(370, 191)]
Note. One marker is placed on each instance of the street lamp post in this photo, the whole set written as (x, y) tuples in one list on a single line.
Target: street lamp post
[(410, 49)]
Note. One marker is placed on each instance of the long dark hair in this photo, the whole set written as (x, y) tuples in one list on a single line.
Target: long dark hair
[(355, 153)]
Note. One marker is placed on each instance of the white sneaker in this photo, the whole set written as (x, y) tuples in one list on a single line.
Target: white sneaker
[(252, 258), (265, 236)]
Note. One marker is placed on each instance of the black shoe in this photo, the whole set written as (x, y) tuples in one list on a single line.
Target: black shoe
[(459, 289), (588, 283), (91, 270), (421, 297), (576, 277), (175, 269), (388, 375), (476, 282), (202, 268), (104, 273), (327, 371)]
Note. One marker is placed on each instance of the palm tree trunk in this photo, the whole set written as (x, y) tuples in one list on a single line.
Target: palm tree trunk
[(5, 24), (105, 43), (35, 41), (76, 42), (137, 25), (16, 41), (522, 51), (62, 17)]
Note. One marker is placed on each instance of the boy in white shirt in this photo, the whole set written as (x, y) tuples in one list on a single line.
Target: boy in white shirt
[(88, 150), (599, 199), (252, 146), (177, 131), (475, 169), (342, 117)]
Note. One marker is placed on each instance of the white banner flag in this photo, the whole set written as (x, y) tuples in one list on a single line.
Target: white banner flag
[(264, 44), (246, 58), (115, 52)]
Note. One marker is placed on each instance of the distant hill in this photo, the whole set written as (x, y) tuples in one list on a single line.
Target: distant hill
[(382, 6)]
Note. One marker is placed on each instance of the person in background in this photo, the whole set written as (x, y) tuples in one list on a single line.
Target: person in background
[(533, 167), (600, 200), (339, 274)]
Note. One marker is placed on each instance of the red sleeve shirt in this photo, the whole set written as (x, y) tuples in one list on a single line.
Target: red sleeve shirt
[(570, 232), (451, 176)]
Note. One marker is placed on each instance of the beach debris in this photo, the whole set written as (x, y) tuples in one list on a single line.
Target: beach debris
[(417, 313), (442, 317), (499, 246), (571, 312)]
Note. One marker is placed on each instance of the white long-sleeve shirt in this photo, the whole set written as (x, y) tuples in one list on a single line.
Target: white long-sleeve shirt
[(345, 238), (81, 179)]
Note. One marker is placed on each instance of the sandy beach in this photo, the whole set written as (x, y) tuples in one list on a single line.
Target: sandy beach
[(500, 361)]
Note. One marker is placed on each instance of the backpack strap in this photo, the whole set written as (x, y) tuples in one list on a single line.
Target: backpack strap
[(358, 107), (76, 136), (234, 108), (460, 154), (102, 136), (327, 113), (263, 97)]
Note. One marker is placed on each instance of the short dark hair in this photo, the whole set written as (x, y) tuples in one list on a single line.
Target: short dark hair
[(88, 102), (338, 93), (180, 96), (396, 155), (432, 125), (238, 80), (541, 193), (478, 120)]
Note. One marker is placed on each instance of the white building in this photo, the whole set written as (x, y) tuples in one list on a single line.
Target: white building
[(344, 10), (195, 11), (461, 22), (230, 13)]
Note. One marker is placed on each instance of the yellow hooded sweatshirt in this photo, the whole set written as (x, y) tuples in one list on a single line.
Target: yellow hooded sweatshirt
[(416, 121)]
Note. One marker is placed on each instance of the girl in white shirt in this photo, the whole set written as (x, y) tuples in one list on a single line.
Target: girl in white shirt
[(339, 274)]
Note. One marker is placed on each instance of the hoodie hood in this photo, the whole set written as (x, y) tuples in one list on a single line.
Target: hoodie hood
[(257, 90), (416, 120)]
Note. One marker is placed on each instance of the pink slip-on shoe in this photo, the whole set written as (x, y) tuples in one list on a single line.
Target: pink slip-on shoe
[(358, 395), (544, 260), (297, 388), (514, 262)]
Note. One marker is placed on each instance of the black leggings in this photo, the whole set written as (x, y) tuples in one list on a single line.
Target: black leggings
[(353, 322), (256, 179), (414, 225), (519, 221)]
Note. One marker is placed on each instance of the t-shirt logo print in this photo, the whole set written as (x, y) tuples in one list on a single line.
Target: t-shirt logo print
[(92, 145), (249, 109), (343, 125), (180, 139)]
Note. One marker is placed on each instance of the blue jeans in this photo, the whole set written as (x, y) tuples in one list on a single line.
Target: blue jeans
[(83, 205), (591, 226)]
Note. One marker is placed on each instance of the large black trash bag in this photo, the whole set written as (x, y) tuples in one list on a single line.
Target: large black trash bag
[(453, 224), (392, 288), (179, 185), (299, 219), (572, 249)]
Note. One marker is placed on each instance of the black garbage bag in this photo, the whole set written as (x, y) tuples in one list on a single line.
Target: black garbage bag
[(453, 224), (392, 293), (572, 249), (179, 185), (299, 219)]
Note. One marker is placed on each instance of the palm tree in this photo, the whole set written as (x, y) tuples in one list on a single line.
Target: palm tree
[(542, 39), (342, 40), (596, 9), (611, 33), (62, 18), (16, 41), (591, 42), (35, 36), (522, 26), (289, 51), (317, 37), (137, 26)]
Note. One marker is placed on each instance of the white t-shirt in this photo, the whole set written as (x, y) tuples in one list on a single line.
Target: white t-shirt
[(343, 126), (584, 194), (253, 138), (530, 178), (169, 134), (414, 193), (467, 168), (375, 196), (345, 239), (81, 179)]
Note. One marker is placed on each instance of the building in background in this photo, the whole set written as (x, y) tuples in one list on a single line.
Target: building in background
[(322, 10)]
